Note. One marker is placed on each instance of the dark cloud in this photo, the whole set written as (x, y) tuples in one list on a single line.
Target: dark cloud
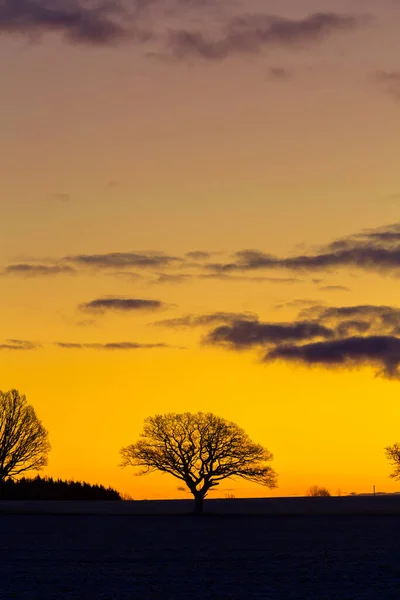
[(348, 336), (19, 345), (30, 270), (379, 320), (390, 81), (109, 22), (102, 305), (80, 21), (375, 250), (111, 346), (380, 351), (247, 334), (204, 320), (253, 33), (120, 260)]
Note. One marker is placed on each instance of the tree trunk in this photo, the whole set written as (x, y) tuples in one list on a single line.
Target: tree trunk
[(198, 503)]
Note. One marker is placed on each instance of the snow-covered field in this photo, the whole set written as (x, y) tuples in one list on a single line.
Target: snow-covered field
[(385, 504), (220, 557)]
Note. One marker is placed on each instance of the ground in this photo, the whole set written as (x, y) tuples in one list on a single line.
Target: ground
[(263, 557)]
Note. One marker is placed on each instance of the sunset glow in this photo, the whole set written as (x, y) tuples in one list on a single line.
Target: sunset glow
[(200, 209)]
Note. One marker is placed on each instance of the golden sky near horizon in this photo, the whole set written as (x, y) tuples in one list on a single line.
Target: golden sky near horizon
[(143, 150)]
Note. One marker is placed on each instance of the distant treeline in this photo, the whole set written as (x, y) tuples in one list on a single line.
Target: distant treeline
[(47, 488)]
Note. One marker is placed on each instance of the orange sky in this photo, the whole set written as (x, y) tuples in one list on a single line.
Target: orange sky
[(213, 128)]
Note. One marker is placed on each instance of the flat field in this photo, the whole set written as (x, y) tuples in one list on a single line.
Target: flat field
[(216, 557)]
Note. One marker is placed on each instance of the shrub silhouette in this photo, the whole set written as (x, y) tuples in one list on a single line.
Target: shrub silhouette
[(315, 491)]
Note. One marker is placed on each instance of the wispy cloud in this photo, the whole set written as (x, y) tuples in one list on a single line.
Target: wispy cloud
[(334, 288), (390, 81), (198, 255), (297, 303), (279, 73), (172, 278), (112, 346), (96, 23), (123, 260), (222, 276), (254, 33), (32, 270), (19, 345), (62, 197), (112, 185), (125, 305), (190, 321), (110, 22), (370, 250)]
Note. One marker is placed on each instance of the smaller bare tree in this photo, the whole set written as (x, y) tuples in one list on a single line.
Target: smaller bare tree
[(315, 491), (200, 450), (24, 443), (393, 454)]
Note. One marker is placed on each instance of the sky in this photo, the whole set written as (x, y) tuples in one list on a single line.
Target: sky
[(200, 210)]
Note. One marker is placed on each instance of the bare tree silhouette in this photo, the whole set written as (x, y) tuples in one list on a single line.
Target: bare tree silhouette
[(393, 454), (24, 443), (201, 450)]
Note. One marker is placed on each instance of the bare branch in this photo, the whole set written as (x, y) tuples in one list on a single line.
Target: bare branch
[(393, 454)]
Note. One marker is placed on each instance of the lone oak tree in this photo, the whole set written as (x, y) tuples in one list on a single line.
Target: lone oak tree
[(24, 443), (201, 450)]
